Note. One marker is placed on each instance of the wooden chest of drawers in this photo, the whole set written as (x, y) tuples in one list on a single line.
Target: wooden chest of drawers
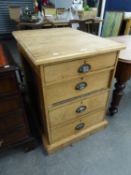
[(72, 72), (14, 127)]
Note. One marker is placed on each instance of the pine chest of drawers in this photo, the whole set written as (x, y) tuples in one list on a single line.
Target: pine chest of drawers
[(72, 72)]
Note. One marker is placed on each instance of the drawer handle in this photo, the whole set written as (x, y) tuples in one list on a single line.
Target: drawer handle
[(81, 109), (80, 126), (81, 86), (84, 68), (1, 142)]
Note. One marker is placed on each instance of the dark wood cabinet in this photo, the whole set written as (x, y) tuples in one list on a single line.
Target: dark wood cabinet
[(14, 126)]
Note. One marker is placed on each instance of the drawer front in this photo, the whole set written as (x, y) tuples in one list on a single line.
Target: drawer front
[(13, 137), (67, 70), (12, 120), (75, 110), (77, 87), (77, 126), (8, 84), (9, 104)]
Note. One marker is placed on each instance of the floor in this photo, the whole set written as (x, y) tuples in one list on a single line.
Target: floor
[(107, 152)]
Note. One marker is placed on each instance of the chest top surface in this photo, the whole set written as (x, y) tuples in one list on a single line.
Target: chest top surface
[(56, 45)]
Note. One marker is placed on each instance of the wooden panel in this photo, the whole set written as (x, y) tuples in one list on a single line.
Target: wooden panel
[(61, 115), (14, 137), (62, 44), (74, 138), (9, 104), (112, 23), (128, 27), (12, 120), (70, 129), (62, 91), (14, 128), (67, 70), (8, 83)]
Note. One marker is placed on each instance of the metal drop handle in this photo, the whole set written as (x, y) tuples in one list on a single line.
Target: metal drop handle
[(80, 126), (81, 86), (81, 109), (84, 68)]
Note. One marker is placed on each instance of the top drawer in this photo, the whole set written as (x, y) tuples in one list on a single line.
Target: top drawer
[(62, 71)]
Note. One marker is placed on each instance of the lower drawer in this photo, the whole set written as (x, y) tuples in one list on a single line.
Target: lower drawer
[(77, 126), (9, 104), (10, 121), (74, 110), (14, 137)]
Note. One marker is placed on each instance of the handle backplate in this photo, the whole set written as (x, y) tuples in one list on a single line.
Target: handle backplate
[(80, 126), (84, 68), (81, 109), (81, 85)]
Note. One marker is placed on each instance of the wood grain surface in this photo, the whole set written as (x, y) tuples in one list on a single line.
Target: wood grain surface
[(70, 129), (68, 70), (66, 113), (56, 56), (65, 90), (56, 45)]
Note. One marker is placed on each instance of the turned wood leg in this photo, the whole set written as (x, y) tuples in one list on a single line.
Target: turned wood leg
[(123, 73), (117, 95)]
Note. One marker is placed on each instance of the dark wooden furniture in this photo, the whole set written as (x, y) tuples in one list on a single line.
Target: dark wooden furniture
[(14, 127), (88, 25), (123, 72)]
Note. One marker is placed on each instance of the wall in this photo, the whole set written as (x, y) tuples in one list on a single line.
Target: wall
[(6, 25), (62, 3), (118, 5), (92, 3)]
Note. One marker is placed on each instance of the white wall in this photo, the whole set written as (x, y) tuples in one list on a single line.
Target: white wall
[(62, 3)]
